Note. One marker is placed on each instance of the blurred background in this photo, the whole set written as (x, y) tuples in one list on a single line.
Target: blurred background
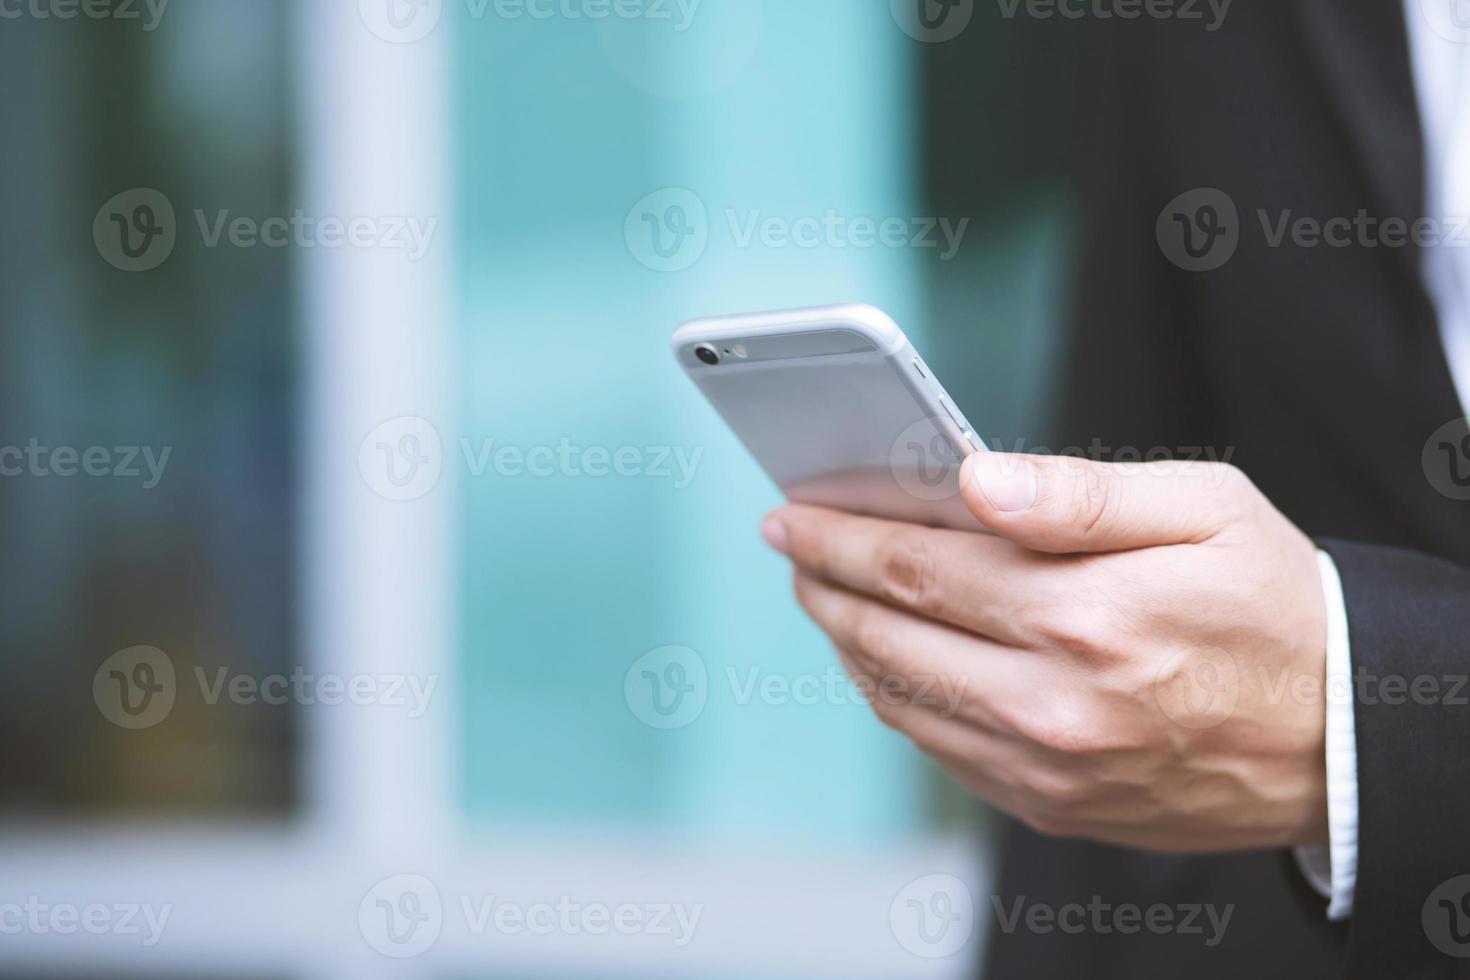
[(380, 599)]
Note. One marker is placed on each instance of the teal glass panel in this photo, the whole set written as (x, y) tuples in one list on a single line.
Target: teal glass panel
[(759, 118)]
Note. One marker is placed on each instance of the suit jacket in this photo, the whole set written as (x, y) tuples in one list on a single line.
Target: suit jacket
[(1321, 371)]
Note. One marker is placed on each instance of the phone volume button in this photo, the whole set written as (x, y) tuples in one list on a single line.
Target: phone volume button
[(954, 413)]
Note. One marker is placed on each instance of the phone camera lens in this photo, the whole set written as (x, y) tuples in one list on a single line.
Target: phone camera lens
[(707, 354)]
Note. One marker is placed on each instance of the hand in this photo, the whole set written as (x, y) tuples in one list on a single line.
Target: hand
[(1127, 645)]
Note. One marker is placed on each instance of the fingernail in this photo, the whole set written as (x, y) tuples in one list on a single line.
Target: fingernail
[(775, 534), (1008, 482)]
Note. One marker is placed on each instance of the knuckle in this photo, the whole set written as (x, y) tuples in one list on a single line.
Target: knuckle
[(928, 740), (889, 713), (808, 596), (1096, 633), (801, 586), (1075, 628), (1053, 792), (1066, 731), (809, 548), (1092, 497), (1062, 739), (1066, 627), (877, 637), (908, 573)]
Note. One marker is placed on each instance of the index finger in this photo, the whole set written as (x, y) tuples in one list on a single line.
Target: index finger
[(979, 582)]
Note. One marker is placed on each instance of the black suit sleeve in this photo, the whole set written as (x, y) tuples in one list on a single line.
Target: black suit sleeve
[(1409, 632)]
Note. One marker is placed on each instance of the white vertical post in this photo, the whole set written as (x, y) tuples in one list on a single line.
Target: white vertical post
[(379, 575)]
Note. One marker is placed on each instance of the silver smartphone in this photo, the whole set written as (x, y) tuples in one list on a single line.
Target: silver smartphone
[(838, 407)]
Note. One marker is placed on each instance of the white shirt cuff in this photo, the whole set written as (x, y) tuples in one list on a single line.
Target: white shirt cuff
[(1333, 869)]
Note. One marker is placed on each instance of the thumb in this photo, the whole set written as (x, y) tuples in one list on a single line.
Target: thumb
[(1063, 504)]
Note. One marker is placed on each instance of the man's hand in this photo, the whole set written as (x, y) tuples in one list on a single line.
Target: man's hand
[(1141, 647)]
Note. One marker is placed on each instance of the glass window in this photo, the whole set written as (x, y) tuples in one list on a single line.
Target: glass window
[(147, 411), (680, 157)]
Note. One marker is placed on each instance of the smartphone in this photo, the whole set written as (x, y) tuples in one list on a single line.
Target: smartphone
[(838, 408)]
